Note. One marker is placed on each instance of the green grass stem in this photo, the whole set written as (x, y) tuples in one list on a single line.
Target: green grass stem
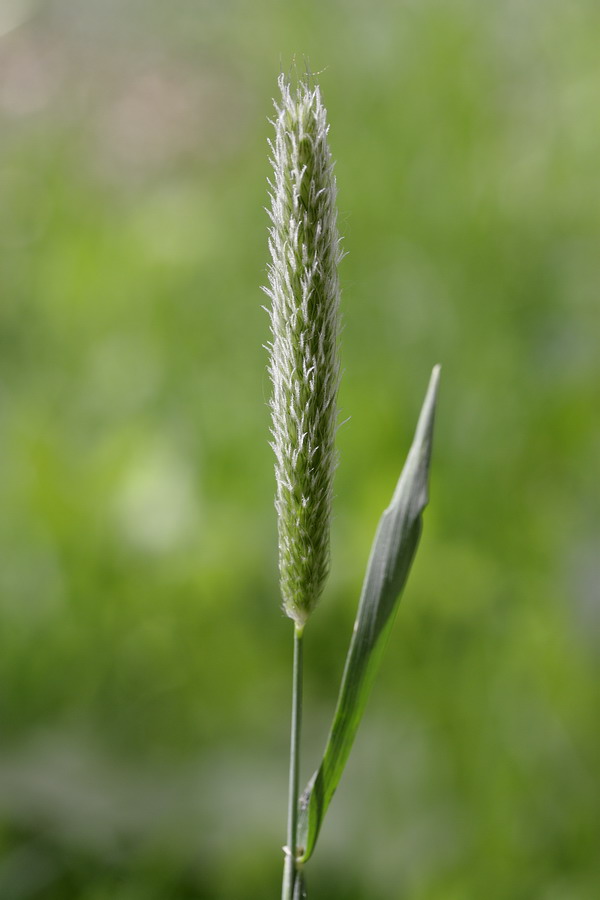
[(290, 867)]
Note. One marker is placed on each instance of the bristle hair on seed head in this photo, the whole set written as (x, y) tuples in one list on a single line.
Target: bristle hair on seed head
[(304, 291)]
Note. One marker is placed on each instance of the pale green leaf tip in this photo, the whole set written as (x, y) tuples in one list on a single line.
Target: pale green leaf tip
[(424, 429), (419, 456)]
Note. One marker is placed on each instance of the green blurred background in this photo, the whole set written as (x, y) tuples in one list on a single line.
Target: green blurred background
[(144, 660)]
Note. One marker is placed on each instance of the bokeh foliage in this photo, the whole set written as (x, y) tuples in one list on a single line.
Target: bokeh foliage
[(144, 661)]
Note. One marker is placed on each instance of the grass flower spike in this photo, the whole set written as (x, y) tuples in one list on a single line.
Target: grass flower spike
[(304, 366)]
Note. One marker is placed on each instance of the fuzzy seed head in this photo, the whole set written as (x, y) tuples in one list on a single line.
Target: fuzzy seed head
[(304, 367)]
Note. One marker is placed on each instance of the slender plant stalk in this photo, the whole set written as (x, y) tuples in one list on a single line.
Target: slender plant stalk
[(291, 850)]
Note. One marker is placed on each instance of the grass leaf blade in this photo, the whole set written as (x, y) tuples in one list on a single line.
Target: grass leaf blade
[(392, 553)]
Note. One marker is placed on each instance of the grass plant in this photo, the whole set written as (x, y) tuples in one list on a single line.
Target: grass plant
[(304, 368)]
